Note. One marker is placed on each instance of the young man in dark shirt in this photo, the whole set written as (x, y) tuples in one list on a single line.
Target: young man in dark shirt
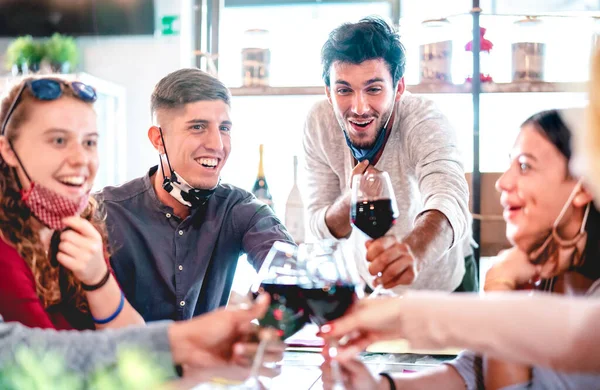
[(177, 232)]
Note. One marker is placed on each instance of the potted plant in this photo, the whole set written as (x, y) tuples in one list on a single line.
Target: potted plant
[(24, 55), (61, 51)]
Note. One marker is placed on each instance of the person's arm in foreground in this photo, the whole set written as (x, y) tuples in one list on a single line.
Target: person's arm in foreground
[(212, 339), (511, 326)]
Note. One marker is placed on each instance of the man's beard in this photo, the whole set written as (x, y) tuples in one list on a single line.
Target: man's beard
[(370, 143)]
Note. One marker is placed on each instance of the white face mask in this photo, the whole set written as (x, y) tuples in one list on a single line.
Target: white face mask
[(179, 188), (556, 254), (185, 193)]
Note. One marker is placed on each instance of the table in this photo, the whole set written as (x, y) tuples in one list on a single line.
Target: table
[(300, 370)]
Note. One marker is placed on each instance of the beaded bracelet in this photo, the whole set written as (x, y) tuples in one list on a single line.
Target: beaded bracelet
[(112, 316), (390, 380)]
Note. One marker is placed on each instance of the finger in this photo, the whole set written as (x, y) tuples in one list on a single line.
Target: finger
[(386, 258), (374, 249), (379, 246), (348, 323), (395, 270), (83, 226), (360, 168), (352, 350), (75, 237), (260, 306), (407, 277), (355, 367), (69, 249), (67, 261)]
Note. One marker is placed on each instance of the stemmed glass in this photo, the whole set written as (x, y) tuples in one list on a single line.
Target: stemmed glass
[(373, 209), (312, 282), (281, 275), (335, 286)]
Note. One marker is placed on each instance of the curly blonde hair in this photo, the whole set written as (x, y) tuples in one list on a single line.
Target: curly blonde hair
[(53, 284)]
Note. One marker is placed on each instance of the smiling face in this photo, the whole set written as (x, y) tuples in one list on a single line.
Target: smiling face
[(57, 145), (197, 139), (363, 97), (534, 189)]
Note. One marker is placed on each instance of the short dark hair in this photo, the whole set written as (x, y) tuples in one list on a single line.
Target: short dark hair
[(368, 39), (185, 86)]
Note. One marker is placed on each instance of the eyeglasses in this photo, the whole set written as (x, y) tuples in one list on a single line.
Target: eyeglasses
[(51, 89)]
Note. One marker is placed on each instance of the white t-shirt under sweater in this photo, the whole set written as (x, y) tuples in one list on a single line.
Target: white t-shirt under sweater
[(423, 161)]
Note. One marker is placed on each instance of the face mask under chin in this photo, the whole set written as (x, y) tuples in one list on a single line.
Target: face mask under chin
[(557, 254)]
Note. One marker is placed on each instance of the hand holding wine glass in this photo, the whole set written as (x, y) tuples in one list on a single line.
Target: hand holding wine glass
[(374, 211)]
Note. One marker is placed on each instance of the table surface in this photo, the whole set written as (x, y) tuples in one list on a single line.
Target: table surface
[(300, 370)]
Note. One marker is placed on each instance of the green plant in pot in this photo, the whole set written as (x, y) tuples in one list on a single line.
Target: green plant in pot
[(24, 55), (61, 51)]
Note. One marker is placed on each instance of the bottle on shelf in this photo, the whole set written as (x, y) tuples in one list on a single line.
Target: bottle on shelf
[(294, 209), (261, 188)]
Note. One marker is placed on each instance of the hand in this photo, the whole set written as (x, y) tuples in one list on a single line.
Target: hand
[(392, 258), (368, 321), (513, 269), (245, 350), (362, 168), (359, 169), (355, 375), (221, 337), (81, 251)]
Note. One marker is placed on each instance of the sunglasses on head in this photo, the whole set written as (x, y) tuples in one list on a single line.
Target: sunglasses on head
[(51, 89)]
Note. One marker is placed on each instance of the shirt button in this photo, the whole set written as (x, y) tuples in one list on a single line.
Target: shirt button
[(182, 303), (168, 215), (181, 267), (181, 232)]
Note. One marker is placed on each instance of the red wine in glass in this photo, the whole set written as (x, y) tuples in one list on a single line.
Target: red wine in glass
[(329, 302), (374, 217), (287, 312)]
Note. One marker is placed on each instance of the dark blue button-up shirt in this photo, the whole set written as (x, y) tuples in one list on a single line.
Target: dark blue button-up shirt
[(175, 269)]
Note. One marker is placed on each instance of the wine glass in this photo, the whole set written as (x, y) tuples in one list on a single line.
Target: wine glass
[(334, 286), (281, 275), (373, 209)]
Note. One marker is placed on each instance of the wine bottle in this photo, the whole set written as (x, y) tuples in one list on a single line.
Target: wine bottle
[(261, 188), (294, 210)]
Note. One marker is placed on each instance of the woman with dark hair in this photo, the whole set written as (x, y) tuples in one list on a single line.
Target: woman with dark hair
[(553, 226), (53, 253), (556, 241)]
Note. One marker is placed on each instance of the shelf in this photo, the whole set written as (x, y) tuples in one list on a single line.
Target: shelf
[(523, 87)]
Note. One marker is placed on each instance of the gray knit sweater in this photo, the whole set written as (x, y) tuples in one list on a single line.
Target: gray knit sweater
[(84, 351), (424, 164)]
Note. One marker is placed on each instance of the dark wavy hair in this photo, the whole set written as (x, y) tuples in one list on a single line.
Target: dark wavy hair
[(370, 38), (550, 124)]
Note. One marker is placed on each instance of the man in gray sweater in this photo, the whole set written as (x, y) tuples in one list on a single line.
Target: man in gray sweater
[(367, 124)]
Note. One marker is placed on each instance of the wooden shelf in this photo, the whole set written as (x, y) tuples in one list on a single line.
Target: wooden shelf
[(522, 87)]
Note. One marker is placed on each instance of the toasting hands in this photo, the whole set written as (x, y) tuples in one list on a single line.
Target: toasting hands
[(223, 337)]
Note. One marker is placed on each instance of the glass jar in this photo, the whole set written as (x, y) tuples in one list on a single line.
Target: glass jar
[(435, 52), (256, 58), (528, 50)]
